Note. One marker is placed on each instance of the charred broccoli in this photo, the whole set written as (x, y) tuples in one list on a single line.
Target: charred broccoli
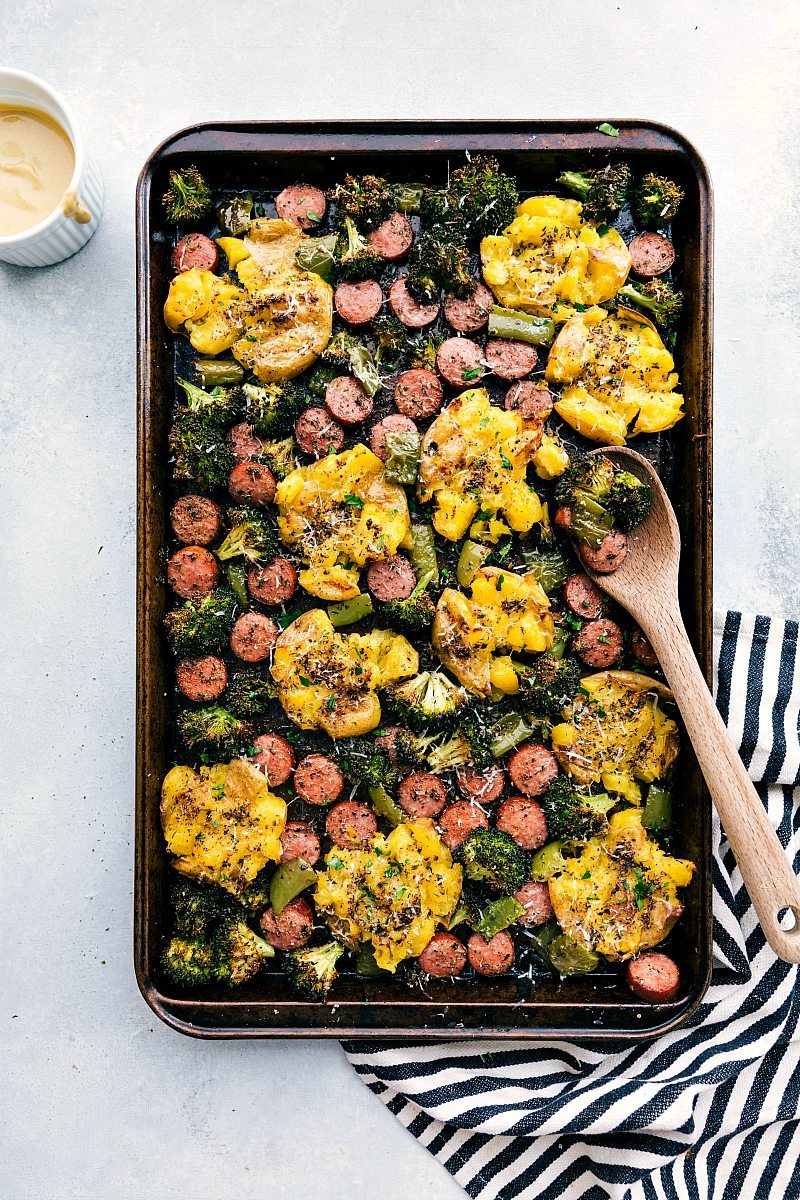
[(656, 200), (438, 262), (238, 953), (415, 613), (249, 692), (311, 972), (366, 199), (221, 406), (272, 408), (657, 297), (188, 196), (471, 743), (280, 457), (347, 351), (365, 761), (424, 353), (199, 907), (572, 813), (602, 192), (629, 500), (215, 730), (493, 858), (199, 450), (601, 496), (549, 684), (355, 258), (253, 539), (202, 627), (189, 962), (484, 197), (391, 337), (428, 702)]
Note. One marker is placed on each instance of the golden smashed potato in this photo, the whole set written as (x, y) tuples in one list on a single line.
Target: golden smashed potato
[(619, 895)]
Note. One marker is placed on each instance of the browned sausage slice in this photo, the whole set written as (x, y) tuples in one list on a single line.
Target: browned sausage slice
[(318, 779), (291, 928), (532, 769), (317, 433), (563, 518), (494, 957), (523, 819), (510, 360), (422, 794), (583, 597), (202, 678), (444, 956), (535, 899), (394, 423), (192, 572), (358, 303), (641, 649), (651, 254), (484, 784), (393, 238), (253, 637), (346, 400), (610, 554), (274, 583), (349, 823), (298, 840), (531, 398), (275, 758), (418, 393), (252, 483), (599, 644), (302, 205), (470, 315), (406, 309), (459, 820), (460, 362), (243, 442), (654, 978), (391, 578), (196, 520), (195, 250)]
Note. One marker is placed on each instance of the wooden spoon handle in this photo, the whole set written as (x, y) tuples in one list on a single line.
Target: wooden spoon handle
[(766, 870)]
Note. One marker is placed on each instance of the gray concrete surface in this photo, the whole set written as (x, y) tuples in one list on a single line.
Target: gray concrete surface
[(101, 1101)]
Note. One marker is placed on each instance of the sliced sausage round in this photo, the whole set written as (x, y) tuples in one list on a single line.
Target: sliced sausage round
[(274, 583), (444, 956), (252, 483), (421, 794), (318, 780), (460, 362), (651, 254), (302, 205), (202, 678), (394, 423), (391, 578), (358, 303), (470, 315), (243, 442), (349, 823), (459, 820), (406, 309), (641, 649), (492, 957), (483, 784), (563, 518), (583, 597), (654, 978), (298, 840), (535, 899), (253, 637), (346, 400), (393, 238), (599, 644), (609, 555), (532, 769), (196, 520), (317, 433), (195, 250), (531, 399), (523, 819), (510, 360), (192, 572), (418, 393), (290, 928), (275, 758)]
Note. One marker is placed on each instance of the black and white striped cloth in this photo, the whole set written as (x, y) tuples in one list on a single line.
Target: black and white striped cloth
[(709, 1112)]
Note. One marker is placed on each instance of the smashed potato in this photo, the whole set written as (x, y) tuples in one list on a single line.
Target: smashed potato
[(549, 260), (620, 894), (222, 823), (338, 513), (507, 612), (391, 892), (328, 680)]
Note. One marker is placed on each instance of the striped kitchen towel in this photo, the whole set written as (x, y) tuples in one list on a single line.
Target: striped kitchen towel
[(709, 1112)]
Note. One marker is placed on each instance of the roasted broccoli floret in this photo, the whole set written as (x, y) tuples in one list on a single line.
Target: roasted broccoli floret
[(549, 684), (415, 613), (424, 353), (189, 962), (493, 858), (471, 743), (366, 762), (200, 453), (391, 337), (221, 406), (188, 196), (657, 297), (366, 199), (255, 895), (602, 192), (656, 200), (438, 262), (428, 702), (249, 692), (272, 408), (204, 627), (584, 487), (216, 730), (311, 972), (347, 351), (629, 500), (485, 198), (572, 813), (252, 539), (355, 258), (238, 953), (199, 907), (280, 457)]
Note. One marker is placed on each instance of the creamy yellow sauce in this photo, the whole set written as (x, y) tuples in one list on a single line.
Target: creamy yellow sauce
[(36, 165)]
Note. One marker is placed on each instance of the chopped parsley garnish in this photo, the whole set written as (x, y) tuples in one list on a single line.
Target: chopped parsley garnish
[(472, 373), (505, 461), (603, 230), (353, 501), (641, 889), (609, 130)]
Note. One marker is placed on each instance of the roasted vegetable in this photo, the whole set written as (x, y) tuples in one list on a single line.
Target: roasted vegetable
[(201, 455), (484, 196), (188, 196), (252, 539), (549, 683), (365, 762), (391, 338), (415, 613), (201, 627), (220, 406), (273, 408), (366, 199), (348, 352), (238, 953), (656, 200), (603, 192), (234, 214), (311, 971), (438, 263), (572, 812), (600, 496), (657, 297), (429, 702), (214, 730), (189, 962), (355, 258), (198, 908), (470, 743), (494, 859), (249, 692)]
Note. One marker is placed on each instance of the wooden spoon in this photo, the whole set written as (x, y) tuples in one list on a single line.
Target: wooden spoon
[(646, 584)]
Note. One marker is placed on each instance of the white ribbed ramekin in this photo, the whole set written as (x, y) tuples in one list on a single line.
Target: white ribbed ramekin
[(56, 237)]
